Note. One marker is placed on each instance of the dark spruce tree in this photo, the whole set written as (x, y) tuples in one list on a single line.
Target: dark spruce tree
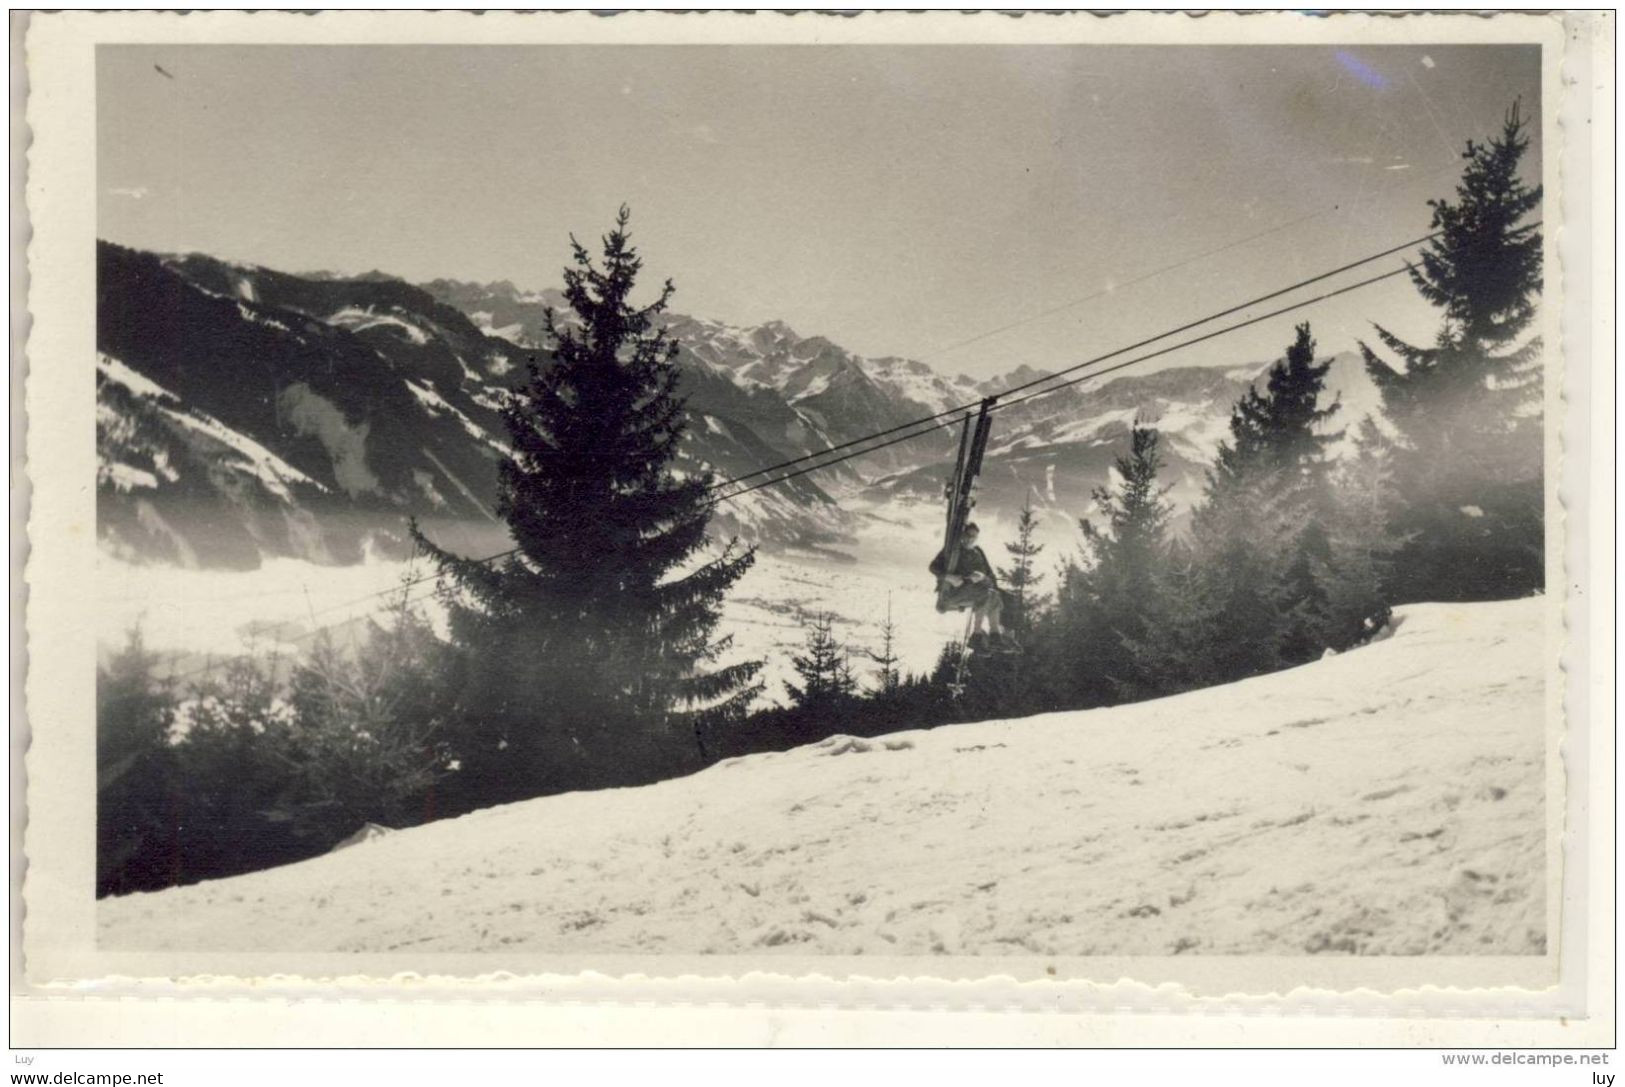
[(1294, 462), (1082, 650), (1183, 640), (1277, 433), (589, 656), (1261, 539), (136, 773), (1468, 471), (1021, 577), (364, 739), (1363, 544), (825, 670), (1135, 537), (236, 765), (887, 676)]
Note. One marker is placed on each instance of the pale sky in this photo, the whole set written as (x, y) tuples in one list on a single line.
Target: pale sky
[(899, 200)]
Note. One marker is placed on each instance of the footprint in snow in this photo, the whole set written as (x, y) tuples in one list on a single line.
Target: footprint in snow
[(1384, 794), (842, 745)]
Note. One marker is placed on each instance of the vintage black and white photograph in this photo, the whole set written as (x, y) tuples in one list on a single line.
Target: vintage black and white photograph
[(1013, 502)]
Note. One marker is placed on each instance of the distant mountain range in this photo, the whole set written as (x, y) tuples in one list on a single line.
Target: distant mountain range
[(245, 413)]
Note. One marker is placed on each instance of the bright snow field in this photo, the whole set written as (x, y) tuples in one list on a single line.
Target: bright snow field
[(194, 617), (1386, 801)]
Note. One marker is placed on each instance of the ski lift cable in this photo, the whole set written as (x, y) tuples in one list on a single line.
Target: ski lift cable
[(1115, 287), (1087, 362), (958, 413), (961, 411), (1175, 266), (842, 459), (922, 426), (1203, 338), (1211, 335), (953, 415), (1002, 404)]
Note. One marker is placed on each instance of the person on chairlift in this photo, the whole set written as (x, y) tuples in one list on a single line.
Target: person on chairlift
[(973, 585)]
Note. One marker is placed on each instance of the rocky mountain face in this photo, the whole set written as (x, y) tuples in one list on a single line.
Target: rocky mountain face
[(246, 413), (243, 413)]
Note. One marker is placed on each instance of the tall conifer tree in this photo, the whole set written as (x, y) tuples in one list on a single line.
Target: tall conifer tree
[(1278, 430), (135, 770), (824, 667), (1260, 532), (1362, 542), (1468, 467), (1184, 639), (888, 677), (1102, 602), (1022, 577), (590, 655)]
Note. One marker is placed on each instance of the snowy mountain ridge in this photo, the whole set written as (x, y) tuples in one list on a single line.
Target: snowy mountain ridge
[(1053, 450), (384, 400), (385, 396)]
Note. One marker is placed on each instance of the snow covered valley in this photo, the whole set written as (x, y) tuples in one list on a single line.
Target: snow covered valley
[(196, 616), (1387, 801)]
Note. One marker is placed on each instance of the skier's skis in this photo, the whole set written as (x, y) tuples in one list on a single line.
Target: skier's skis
[(967, 465)]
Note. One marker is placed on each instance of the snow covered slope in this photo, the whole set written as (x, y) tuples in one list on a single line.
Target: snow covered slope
[(1388, 801)]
